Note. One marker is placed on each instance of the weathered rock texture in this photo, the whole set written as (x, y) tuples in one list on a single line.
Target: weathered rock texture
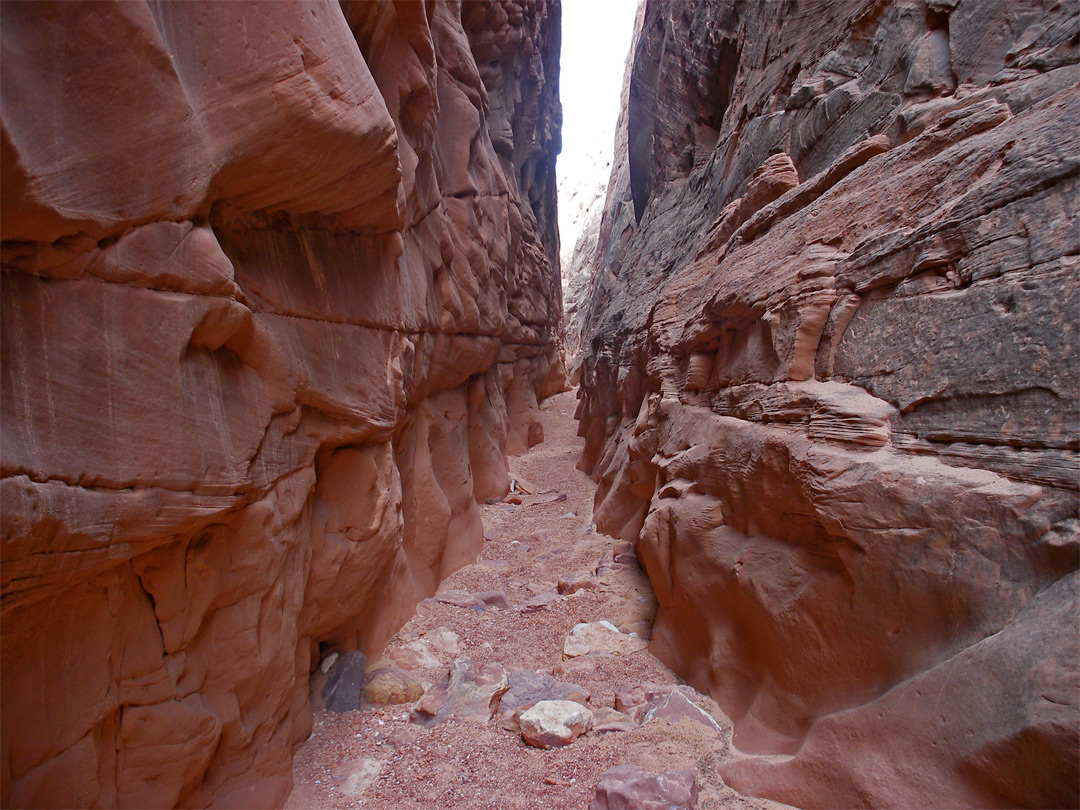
[(280, 288), (832, 387)]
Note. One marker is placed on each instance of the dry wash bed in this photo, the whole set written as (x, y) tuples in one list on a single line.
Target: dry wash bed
[(379, 760)]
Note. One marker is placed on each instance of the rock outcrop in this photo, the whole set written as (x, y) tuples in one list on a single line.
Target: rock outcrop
[(831, 388), (280, 291)]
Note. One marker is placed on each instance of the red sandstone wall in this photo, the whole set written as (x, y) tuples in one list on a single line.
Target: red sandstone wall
[(280, 290), (833, 384)]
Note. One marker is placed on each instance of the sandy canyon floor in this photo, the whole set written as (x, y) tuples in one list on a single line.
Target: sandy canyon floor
[(380, 760)]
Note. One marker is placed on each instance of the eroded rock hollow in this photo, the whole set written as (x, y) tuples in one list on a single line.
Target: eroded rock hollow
[(280, 291), (830, 387)]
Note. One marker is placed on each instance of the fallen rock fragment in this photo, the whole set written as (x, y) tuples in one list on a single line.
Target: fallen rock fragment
[(355, 775), (581, 665), (554, 723), (444, 640), (601, 636), (494, 599), (606, 720), (636, 699), (578, 582), (389, 686), (413, 655), (458, 598), (677, 706), (528, 688), (522, 485), (344, 681), (470, 691), (482, 600), (549, 497), (539, 602), (628, 786)]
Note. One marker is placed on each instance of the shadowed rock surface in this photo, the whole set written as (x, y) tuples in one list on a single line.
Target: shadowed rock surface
[(280, 291), (831, 387)]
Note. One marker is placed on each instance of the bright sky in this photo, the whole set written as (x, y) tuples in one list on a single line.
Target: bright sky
[(595, 40)]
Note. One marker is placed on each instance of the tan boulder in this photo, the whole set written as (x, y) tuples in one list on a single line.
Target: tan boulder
[(554, 723)]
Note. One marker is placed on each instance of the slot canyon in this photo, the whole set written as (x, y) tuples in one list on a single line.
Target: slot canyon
[(315, 493)]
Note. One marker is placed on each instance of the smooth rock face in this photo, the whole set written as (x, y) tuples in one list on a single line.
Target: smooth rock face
[(554, 723), (831, 391), (628, 787), (280, 291)]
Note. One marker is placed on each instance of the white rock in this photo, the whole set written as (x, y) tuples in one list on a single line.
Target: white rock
[(554, 723), (600, 636), (445, 640), (424, 657), (355, 775)]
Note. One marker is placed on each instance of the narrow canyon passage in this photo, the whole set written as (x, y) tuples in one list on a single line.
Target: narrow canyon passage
[(380, 758)]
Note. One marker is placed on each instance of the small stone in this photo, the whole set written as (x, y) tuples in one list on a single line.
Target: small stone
[(495, 599), (343, 682), (514, 499), (355, 775), (605, 720), (578, 582), (628, 786), (554, 723), (567, 515), (600, 636), (458, 598), (445, 641), (581, 665), (549, 497), (539, 602), (328, 662), (522, 485), (641, 629)]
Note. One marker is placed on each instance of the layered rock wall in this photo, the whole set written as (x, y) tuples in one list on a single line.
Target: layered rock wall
[(831, 388), (280, 290)]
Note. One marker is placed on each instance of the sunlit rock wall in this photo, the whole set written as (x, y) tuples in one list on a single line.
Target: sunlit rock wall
[(832, 387), (280, 291)]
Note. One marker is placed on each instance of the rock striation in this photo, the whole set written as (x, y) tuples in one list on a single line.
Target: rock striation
[(280, 291), (831, 387)]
